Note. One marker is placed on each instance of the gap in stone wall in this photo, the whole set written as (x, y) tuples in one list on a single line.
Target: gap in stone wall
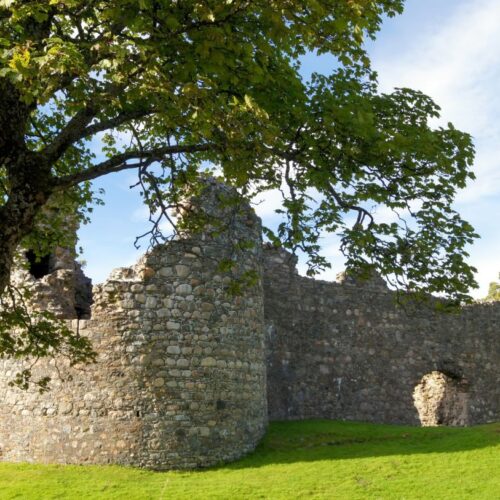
[(442, 399), (58, 284), (38, 266), (83, 294)]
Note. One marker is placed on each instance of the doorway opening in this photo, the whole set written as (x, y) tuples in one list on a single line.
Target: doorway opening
[(442, 399)]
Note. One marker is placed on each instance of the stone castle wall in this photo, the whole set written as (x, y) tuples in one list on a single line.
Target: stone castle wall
[(347, 351), (56, 283), (180, 377)]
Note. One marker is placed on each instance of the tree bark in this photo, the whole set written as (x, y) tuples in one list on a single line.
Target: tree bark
[(31, 186), (28, 178), (13, 118)]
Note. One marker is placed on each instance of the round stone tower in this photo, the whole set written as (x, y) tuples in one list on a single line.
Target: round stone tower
[(180, 376)]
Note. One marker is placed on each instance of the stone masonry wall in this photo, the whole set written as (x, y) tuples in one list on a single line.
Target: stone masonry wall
[(346, 351), (64, 289), (180, 377)]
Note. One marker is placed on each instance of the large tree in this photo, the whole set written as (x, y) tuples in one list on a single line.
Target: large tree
[(171, 88)]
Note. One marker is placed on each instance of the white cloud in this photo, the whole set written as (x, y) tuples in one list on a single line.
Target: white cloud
[(266, 203), (458, 64), (456, 60), (487, 170)]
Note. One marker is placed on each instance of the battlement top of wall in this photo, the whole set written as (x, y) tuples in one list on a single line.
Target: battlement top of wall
[(375, 281), (279, 258)]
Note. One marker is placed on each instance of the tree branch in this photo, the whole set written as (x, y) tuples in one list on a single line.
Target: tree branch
[(118, 120), (69, 134), (78, 126), (119, 162), (362, 212)]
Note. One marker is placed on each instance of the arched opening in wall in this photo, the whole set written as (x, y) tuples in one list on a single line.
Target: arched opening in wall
[(38, 266), (442, 399)]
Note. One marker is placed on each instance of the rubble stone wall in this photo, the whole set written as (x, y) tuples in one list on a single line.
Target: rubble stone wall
[(63, 290), (347, 351), (180, 377)]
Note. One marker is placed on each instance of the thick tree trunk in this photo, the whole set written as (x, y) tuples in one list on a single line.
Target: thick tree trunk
[(6, 255), (28, 179), (13, 117), (30, 190)]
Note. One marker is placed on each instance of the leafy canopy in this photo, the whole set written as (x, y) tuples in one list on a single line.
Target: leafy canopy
[(172, 88)]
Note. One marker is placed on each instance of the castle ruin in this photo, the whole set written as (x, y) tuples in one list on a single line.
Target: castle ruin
[(188, 375)]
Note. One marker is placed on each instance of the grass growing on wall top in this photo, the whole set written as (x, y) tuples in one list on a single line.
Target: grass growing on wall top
[(311, 459)]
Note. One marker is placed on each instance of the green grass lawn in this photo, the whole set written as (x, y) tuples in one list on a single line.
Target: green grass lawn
[(312, 459)]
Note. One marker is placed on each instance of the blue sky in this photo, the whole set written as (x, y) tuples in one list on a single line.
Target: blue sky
[(449, 49)]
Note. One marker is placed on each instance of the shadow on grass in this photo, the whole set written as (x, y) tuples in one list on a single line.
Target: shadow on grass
[(314, 440)]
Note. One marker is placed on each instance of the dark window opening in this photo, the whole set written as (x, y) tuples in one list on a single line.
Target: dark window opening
[(38, 266)]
